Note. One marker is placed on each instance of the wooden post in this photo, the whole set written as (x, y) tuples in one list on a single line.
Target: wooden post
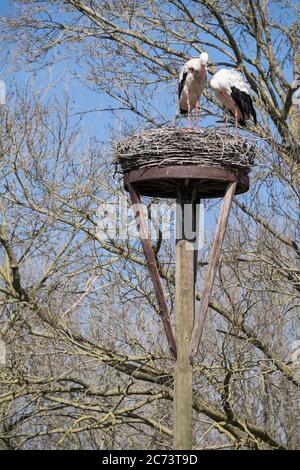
[(184, 320)]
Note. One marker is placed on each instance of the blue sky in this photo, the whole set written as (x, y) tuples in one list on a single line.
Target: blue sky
[(5, 6), (58, 79)]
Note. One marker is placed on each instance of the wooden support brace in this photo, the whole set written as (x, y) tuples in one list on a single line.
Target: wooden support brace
[(152, 266), (212, 269)]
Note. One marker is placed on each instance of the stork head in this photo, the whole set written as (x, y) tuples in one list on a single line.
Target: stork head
[(203, 63)]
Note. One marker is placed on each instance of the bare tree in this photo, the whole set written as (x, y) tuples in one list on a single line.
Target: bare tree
[(87, 364)]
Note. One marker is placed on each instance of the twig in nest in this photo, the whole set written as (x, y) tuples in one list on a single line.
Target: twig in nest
[(175, 146)]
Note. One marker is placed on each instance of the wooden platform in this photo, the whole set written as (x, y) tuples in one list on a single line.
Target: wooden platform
[(165, 182)]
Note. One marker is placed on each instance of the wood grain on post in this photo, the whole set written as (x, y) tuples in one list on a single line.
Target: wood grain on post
[(212, 269), (184, 317)]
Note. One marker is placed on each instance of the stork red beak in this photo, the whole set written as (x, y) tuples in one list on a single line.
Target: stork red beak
[(202, 72)]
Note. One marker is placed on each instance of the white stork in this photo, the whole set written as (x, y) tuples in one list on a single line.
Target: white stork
[(192, 81), (234, 94)]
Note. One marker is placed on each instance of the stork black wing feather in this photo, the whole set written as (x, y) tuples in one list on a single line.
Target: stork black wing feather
[(181, 83), (253, 112), (244, 103)]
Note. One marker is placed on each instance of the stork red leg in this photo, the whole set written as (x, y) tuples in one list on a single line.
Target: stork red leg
[(198, 111), (224, 108), (189, 111)]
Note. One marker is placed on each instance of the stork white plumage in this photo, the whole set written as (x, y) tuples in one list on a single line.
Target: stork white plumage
[(191, 84), (233, 93)]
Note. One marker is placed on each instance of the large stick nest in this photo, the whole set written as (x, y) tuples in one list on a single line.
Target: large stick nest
[(213, 147)]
